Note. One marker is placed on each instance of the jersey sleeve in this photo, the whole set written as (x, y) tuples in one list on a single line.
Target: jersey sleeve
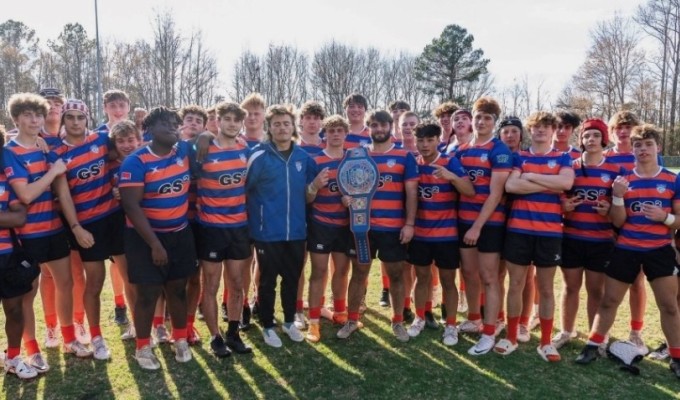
[(456, 167), (676, 187), (14, 169), (566, 161), (131, 172), (411, 167), (501, 158)]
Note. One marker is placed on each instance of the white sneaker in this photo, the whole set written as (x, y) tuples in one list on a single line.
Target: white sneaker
[(562, 338), (129, 333), (470, 326), (483, 346), (349, 328), (548, 353), (82, 334), (271, 338), (400, 332), (293, 332), (37, 362), (100, 350), (300, 322), (161, 333), (505, 347), (182, 351), (462, 302), (523, 334), (52, 337), (78, 349), (17, 367), (416, 327), (146, 359), (450, 336)]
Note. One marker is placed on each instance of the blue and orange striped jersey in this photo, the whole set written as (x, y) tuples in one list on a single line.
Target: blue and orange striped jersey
[(312, 149), (87, 175), (52, 139), (592, 184), (250, 142), (573, 152), (538, 214), (626, 160), (356, 139), (7, 197), (327, 207), (28, 165), (436, 219), (639, 233), (222, 187), (166, 181), (396, 166), (480, 161)]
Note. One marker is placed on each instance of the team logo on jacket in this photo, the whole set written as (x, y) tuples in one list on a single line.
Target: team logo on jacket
[(179, 162), (552, 164), (391, 162), (484, 157), (298, 166), (94, 148), (606, 178), (661, 188)]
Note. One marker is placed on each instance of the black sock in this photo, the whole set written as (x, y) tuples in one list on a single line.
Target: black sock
[(232, 329)]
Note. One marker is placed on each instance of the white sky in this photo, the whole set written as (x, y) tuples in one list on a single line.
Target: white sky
[(544, 39)]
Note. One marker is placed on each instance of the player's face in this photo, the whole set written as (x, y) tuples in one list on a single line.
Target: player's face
[(355, 113), (311, 124), (335, 136), (563, 133), (54, 114), (427, 146), (193, 124), (645, 150), (622, 133), (408, 125), (126, 145), (282, 128), (542, 133), (117, 110), (139, 118), (396, 113), (165, 132), (445, 122), (484, 123), (230, 126), (462, 124), (380, 131), (29, 122), (510, 135), (75, 123), (212, 124), (592, 140), (255, 119)]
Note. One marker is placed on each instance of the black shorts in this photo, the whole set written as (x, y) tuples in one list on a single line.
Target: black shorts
[(47, 248), (490, 238), (324, 239), (219, 244), (593, 256), (385, 245), (445, 255), (181, 257), (541, 251), (108, 238), (10, 286), (657, 263)]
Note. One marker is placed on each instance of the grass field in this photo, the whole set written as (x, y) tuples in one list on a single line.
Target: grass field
[(372, 364)]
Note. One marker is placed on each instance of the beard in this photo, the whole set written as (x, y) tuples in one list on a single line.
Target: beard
[(380, 137)]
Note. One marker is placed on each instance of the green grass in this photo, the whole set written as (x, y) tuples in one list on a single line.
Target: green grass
[(370, 365)]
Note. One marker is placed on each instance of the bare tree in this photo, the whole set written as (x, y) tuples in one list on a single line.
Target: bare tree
[(18, 52), (334, 67)]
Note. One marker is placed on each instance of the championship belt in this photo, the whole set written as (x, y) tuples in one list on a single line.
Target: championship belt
[(358, 177)]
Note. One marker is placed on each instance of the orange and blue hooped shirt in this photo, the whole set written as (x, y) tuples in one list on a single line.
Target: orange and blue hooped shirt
[(327, 208)]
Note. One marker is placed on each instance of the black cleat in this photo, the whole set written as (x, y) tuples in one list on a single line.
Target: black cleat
[(408, 315), (223, 311), (120, 316), (589, 354), (385, 298), (236, 345), (244, 325), (219, 348), (430, 322), (675, 367)]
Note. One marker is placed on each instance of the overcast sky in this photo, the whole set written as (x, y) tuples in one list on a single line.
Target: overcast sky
[(544, 39)]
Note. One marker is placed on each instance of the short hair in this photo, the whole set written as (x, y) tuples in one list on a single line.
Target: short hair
[(139, 109), (124, 129), (408, 114), (568, 118), (646, 131), (227, 107), (399, 104), (448, 107), (313, 108), (623, 117), (211, 110), (115, 94), (355, 98), (160, 113), (335, 121), (20, 102), (541, 118), (193, 109), (280, 109), (427, 130), (254, 99), (488, 105), (379, 116)]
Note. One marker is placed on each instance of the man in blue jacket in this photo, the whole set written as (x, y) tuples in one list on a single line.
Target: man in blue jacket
[(280, 178)]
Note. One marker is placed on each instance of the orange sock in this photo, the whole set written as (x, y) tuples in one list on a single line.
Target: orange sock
[(353, 316), (299, 306), (596, 338), (397, 318), (474, 316), (420, 312), (674, 352), (51, 320), (407, 302), (68, 333), (451, 320), (489, 329), (524, 320), (13, 352), (546, 330), (119, 300), (314, 312), (31, 347), (179, 333), (79, 317), (143, 342), (157, 321), (340, 305), (95, 331), (428, 306), (512, 329), (636, 325)]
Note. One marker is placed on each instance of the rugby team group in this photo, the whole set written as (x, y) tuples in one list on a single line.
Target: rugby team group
[(182, 200)]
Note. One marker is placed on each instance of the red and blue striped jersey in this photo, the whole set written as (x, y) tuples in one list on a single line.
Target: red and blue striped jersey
[(362, 138), (592, 184), (396, 166), (480, 161), (327, 207), (538, 214), (166, 181), (250, 142), (7, 197), (28, 165), (639, 233), (88, 176), (312, 149), (626, 160), (222, 186), (436, 219), (573, 152)]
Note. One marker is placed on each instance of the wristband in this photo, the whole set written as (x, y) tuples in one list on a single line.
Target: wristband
[(670, 218), (617, 201)]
